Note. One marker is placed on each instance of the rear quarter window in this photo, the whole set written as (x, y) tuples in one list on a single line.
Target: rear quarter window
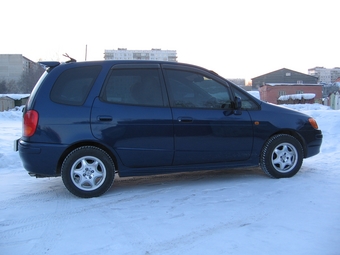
[(73, 85)]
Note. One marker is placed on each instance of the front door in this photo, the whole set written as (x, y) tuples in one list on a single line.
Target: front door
[(206, 130)]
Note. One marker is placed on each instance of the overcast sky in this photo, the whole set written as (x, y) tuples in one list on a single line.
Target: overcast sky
[(236, 38)]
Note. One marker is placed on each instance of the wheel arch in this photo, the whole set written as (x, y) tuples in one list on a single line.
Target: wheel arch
[(87, 143), (293, 133)]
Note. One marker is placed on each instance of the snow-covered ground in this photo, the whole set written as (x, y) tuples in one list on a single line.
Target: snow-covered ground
[(235, 211)]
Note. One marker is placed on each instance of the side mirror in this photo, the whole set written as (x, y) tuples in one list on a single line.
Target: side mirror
[(238, 106)]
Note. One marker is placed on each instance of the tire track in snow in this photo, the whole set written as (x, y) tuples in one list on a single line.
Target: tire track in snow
[(64, 207), (48, 198)]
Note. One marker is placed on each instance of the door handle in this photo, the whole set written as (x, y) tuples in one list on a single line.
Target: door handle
[(185, 119), (104, 118)]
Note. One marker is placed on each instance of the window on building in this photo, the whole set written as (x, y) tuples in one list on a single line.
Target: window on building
[(282, 93), (299, 92)]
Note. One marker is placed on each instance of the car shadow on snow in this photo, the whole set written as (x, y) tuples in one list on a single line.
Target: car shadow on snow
[(195, 177)]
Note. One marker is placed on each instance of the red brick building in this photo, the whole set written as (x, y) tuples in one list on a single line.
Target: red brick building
[(270, 92)]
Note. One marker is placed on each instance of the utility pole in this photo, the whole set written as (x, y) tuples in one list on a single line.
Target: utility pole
[(86, 52)]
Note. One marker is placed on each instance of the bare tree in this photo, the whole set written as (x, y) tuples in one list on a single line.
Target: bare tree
[(3, 88), (29, 79), (7, 87)]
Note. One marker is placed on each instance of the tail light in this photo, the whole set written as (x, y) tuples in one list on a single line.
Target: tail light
[(30, 123)]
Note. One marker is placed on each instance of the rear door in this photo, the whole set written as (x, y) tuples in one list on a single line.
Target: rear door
[(133, 117), (206, 130)]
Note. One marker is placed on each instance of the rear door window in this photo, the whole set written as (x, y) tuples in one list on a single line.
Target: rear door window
[(134, 87), (73, 85)]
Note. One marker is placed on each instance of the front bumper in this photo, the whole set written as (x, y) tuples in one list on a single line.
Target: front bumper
[(314, 146)]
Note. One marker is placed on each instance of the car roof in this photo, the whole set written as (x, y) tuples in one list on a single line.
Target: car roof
[(52, 64)]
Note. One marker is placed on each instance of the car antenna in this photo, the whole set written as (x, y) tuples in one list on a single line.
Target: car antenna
[(71, 59)]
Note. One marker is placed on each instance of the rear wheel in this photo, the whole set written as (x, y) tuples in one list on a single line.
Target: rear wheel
[(282, 156), (88, 172)]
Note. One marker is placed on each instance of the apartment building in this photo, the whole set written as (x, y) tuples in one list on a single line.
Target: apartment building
[(153, 54), (325, 75), (13, 66)]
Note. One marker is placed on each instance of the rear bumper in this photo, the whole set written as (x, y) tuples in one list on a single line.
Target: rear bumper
[(40, 160)]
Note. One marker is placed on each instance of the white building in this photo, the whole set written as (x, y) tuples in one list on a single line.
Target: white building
[(153, 54), (325, 75), (13, 66)]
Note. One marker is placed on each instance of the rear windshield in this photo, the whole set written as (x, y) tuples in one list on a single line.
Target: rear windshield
[(73, 85)]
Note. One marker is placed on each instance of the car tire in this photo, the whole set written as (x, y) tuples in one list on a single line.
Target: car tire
[(88, 172), (281, 156)]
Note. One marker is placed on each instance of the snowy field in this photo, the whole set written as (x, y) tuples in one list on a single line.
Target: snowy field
[(235, 211)]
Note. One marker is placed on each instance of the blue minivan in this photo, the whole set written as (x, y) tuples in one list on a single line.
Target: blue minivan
[(87, 121)]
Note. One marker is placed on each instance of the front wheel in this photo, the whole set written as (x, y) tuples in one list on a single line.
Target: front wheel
[(88, 172), (282, 156)]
